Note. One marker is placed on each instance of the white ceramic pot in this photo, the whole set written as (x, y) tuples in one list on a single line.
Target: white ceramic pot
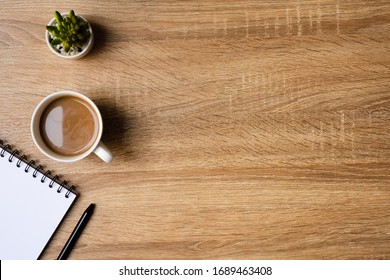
[(86, 47)]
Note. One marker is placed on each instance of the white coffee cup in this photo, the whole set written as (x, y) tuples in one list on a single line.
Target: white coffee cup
[(97, 147)]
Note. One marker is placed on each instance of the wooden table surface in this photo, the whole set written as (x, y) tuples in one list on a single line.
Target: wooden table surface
[(240, 129)]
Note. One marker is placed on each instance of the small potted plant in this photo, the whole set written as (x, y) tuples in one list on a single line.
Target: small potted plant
[(69, 35)]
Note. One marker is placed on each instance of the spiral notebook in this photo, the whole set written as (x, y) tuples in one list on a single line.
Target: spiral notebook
[(33, 203)]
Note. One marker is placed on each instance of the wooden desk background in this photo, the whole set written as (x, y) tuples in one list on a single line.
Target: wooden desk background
[(240, 129)]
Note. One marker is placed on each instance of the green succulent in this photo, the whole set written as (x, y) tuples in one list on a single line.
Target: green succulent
[(70, 31)]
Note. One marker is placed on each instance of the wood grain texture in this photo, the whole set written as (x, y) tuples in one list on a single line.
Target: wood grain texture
[(240, 129)]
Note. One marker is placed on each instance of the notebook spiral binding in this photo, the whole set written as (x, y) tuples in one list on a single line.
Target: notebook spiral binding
[(30, 165)]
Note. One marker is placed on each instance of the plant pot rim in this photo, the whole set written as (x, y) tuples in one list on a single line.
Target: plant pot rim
[(84, 52)]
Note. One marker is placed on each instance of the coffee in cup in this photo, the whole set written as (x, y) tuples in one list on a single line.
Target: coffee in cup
[(67, 126)]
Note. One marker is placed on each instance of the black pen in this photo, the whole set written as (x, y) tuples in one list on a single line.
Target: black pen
[(76, 232)]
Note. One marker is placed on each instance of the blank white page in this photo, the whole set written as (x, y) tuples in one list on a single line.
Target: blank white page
[(30, 211)]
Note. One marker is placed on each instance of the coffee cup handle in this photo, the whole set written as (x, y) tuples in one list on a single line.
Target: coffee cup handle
[(103, 152)]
